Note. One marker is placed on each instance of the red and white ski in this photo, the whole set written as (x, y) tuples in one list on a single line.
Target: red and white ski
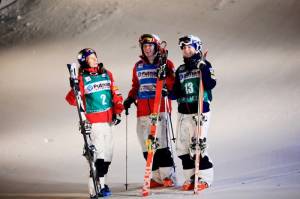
[(198, 131), (151, 142)]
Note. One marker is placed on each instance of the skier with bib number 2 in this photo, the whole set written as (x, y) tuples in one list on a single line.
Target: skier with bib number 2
[(103, 107)]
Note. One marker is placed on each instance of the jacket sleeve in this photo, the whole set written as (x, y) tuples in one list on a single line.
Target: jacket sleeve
[(170, 79), (171, 75), (117, 98), (135, 84), (176, 87), (208, 75), (70, 98)]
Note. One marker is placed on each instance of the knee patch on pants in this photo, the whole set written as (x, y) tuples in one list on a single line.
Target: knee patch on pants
[(106, 166), (155, 164), (187, 161), (205, 163), (100, 167), (164, 157)]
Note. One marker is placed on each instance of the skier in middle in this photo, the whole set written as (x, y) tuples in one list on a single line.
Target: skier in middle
[(144, 79)]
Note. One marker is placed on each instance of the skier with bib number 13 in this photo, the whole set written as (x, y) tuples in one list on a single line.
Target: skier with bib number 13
[(186, 90)]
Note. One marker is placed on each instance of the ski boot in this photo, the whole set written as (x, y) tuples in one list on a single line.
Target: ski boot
[(104, 192), (154, 184), (189, 185), (167, 182)]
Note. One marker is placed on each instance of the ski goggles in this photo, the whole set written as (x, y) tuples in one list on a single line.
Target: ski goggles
[(83, 55), (185, 41), (147, 38), (89, 51)]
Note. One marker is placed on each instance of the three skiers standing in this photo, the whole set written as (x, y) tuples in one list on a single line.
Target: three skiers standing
[(103, 106)]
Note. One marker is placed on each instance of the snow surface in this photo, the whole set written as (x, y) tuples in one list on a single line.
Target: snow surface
[(254, 47)]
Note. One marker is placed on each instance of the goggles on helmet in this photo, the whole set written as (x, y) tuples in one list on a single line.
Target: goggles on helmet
[(185, 41), (148, 38)]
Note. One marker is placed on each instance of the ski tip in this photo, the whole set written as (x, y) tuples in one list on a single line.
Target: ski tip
[(73, 65)]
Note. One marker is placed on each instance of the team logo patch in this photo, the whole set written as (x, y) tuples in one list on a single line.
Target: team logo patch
[(90, 87), (88, 79), (188, 75), (97, 86), (147, 74)]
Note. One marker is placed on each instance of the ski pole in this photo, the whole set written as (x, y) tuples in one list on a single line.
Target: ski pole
[(169, 118), (170, 128), (126, 182)]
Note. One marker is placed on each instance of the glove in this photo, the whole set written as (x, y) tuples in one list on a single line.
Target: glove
[(116, 119), (74, 83), (201, 64), (164, 92), (127, 103)]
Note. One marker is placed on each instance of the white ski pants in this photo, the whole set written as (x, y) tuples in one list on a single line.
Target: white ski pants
[(186, 127), (101, 138), (143, 130)]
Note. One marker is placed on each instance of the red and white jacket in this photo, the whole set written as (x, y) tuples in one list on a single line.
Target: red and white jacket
[(144, 77), (117, 99)]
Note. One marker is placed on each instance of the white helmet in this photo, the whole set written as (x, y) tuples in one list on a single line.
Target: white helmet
[(191, 40)]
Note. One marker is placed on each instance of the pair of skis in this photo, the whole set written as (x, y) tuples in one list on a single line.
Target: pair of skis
[(196, 140), (151, 142), (85, 126)]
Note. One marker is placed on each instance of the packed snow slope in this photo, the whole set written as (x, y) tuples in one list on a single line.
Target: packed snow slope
[(254, 47)]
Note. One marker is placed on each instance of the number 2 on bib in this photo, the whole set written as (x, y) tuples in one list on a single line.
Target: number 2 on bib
[(103, 99)]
